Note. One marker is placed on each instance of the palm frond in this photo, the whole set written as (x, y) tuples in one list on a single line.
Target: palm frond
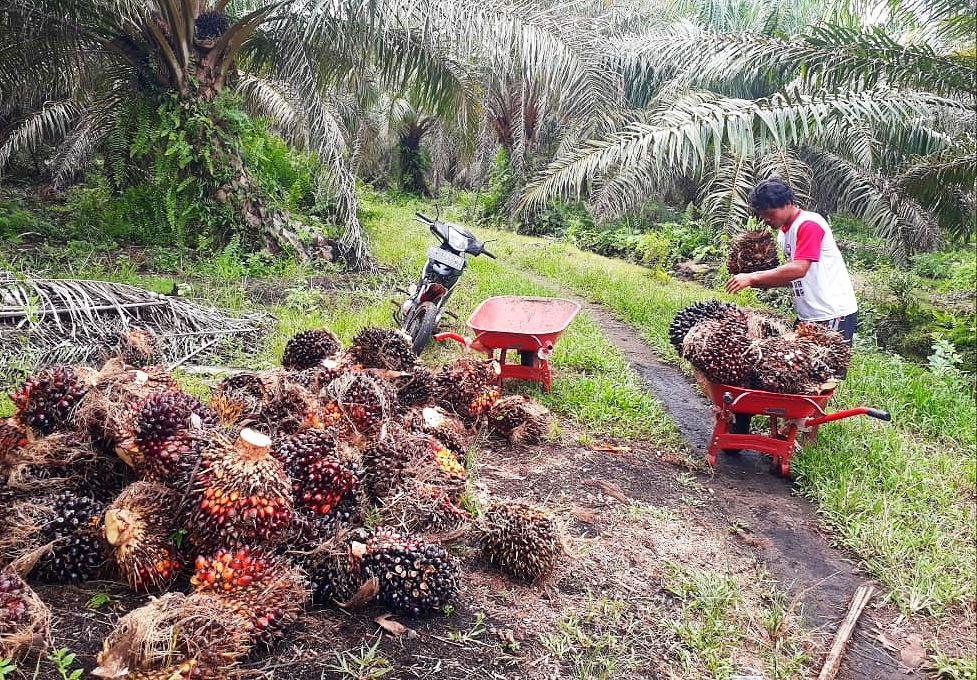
[(725, 204), (696, 131), (894, 216), (52, 122)]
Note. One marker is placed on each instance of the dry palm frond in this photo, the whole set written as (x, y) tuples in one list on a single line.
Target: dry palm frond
[(50, 321)]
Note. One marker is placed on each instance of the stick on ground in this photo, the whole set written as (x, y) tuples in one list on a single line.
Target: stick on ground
[(833, 661)]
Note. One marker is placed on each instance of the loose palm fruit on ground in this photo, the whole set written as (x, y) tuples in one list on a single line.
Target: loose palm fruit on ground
[(752, 251), (264, 589), (241, 493), (698, 311), (378, 347), (519, 419), (721, 349), (520, 540), (139, 526), (24, 618), (308, 348), (468, 387), (199, 630), (414, 577), (46, 401)]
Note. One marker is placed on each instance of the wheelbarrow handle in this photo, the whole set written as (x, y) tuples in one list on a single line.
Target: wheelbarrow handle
[(847, 413)]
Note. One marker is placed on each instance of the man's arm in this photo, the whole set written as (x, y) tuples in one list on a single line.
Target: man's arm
[(769, 278)]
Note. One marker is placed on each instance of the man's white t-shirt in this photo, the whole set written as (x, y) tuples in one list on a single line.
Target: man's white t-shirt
[(825, 292)]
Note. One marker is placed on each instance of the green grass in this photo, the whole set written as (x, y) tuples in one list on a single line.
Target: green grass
[(899, 494)]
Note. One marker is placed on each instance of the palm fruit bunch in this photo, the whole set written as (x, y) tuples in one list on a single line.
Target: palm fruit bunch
[(520, 539), (332, 571), (752, 251), (519, 419), (135, 346), (24, 617), (210, 24), (308, 348), (46, 401), (414, 388), (238, 398), (64, 460), (265, 590), (167, 434), (72, 525), (389, 348), (688, 317), (109, 409), (449, 430), (413, 577), (287, 406), (365, 400), (831, 346), (764, 323), (241, 493), (468, 386), (722, 350), (139, 526), (790, 366), (322, 472), (385, 461), (175, 636), (12, 437)]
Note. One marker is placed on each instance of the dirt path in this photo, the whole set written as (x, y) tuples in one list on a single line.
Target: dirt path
[(783, 525)]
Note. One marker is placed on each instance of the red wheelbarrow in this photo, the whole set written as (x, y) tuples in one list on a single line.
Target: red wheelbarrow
[(527, 325), (800, 413)]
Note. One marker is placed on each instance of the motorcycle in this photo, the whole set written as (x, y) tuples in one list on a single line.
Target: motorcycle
[(420, 314)]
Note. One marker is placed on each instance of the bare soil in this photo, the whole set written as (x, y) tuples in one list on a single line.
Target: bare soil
[(632, 514)]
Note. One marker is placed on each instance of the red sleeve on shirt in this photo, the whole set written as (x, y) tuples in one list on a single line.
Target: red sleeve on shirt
[(809, 237)]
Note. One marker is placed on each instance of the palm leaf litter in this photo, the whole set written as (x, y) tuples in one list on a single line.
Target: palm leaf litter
[(75, 321)]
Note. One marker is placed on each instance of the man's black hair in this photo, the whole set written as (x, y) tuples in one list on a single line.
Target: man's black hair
[(771, 193)]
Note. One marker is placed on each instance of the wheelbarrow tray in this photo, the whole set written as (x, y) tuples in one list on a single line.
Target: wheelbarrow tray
[(521, 322), (794, 419)]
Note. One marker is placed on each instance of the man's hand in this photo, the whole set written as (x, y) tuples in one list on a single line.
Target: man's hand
[(739, 282)]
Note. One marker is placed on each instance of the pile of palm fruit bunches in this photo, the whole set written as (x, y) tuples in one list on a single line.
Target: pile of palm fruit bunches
[(242, 509), (758, 349)]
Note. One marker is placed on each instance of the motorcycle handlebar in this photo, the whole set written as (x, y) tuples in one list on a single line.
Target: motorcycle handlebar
[(485, 252)]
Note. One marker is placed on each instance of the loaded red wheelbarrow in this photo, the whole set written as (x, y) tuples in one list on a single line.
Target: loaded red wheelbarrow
[(527, 325), (799, 413)]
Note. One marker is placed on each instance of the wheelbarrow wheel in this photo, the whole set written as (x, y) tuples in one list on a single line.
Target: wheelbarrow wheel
[(421, 327)]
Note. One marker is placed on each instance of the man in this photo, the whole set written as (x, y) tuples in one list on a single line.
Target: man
[(820, 287), (819, 284)]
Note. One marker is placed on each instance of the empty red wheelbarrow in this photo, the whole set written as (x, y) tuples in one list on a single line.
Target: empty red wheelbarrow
[(790, 415), (527, 325)]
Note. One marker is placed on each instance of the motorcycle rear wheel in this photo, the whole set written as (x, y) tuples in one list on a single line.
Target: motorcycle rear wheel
[(421, 326)]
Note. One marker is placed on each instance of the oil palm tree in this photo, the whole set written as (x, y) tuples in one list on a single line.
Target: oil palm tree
[(869, 122), (72, 75)]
